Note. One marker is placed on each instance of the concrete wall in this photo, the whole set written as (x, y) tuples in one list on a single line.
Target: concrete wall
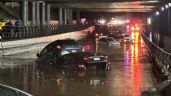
[(167, 44), (27, 45)]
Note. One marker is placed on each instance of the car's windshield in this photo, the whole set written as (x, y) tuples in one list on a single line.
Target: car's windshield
[(67, 42), (110, 39)]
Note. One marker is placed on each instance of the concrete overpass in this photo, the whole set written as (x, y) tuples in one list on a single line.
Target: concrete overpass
[(40, 11), (159, 10)]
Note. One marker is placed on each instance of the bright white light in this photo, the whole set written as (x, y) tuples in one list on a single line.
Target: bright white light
[(117, 22), (152, 1), (169, 4), (127, 26), (102, 21), (127, 21), (149, 21), (166, 6), (162, 8), (157, 13)]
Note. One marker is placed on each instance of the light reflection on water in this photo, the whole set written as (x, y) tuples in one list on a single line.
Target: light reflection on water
[(135, 67)]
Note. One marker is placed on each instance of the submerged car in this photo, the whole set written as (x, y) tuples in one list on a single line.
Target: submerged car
[(109, 41), (82, 60), (59, 48)]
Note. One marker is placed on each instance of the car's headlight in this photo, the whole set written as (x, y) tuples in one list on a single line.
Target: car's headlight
[(64, 52)]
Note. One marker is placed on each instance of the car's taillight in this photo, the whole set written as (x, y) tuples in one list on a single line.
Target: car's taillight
[(85, 58), (132, 28), (137, 28)]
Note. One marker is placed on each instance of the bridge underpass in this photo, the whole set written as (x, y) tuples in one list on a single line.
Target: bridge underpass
[(135, 77)]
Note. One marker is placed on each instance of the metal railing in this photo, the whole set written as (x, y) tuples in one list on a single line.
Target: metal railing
[(38, 31), (163, 61), (162, 58), (11, 91)]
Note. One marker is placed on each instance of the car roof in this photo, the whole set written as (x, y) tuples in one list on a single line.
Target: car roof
[(60, 41)]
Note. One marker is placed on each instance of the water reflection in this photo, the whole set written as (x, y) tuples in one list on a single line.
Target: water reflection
[(135, 68), (72, 82)]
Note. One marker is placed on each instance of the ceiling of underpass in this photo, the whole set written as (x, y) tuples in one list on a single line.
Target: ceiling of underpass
[(109, 5), (106, 5)]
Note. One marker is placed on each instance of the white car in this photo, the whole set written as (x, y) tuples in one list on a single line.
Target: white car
[(109, 41), (127, 38)]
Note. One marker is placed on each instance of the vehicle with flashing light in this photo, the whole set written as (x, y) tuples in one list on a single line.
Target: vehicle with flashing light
[(135, 25)]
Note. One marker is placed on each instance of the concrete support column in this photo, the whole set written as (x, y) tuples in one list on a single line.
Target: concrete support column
[(60, 16), (78, 16), (70, 16), (65, 16), (47, 15), (37, 13), (33, 13), (42, 13), (169, 24), (24, 12)]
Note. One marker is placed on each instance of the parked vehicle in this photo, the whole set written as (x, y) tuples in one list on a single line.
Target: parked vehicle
[(127, 38), (84, 60), (59, 48), (80, 61), (108, 41)]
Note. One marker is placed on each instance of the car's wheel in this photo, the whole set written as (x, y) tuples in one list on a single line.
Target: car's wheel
[(54, 60), (68, 59)]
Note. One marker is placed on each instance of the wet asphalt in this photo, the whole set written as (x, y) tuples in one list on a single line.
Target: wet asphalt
[(130, 73)]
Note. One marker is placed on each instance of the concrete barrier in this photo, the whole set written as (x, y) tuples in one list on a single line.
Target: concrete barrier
[(24, 45)]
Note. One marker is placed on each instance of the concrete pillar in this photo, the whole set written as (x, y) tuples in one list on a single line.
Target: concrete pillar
[(24, 12), (33, 13), (71, 16), (42, 13), (169, 24), (60, 16), (65, 17), (78, 15), (68, 16), (37, 13), (47, 15)]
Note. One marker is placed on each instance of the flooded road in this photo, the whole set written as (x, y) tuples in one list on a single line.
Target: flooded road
[(129, 76)]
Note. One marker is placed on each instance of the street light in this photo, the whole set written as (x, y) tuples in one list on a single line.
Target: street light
[(157, 13), (149, 21), (162, 8), (166, 6)]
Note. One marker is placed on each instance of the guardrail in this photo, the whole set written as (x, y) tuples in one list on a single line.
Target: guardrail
[(38, 31), (162, 58), (11, 91), (163, 61)]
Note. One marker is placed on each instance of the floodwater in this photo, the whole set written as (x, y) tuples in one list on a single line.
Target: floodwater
[(130, 74)]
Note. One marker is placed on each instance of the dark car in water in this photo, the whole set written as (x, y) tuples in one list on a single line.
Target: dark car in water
[(83, 60), (59, 48)]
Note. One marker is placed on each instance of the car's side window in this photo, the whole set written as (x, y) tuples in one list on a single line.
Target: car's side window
[(44, 51), (102, 40)]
